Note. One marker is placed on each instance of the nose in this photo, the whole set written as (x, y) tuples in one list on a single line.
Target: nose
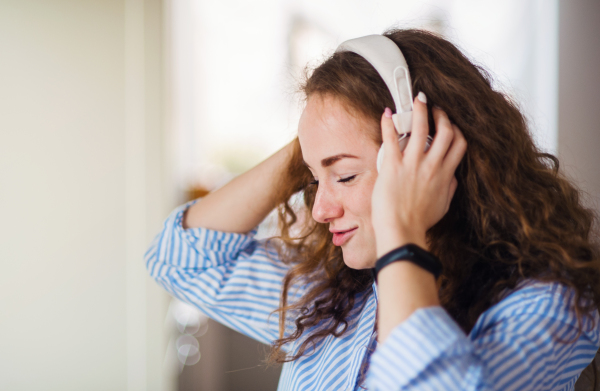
[(327, 207)]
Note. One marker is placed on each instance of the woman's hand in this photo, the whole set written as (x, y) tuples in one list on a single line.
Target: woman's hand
[(245, 201), (414, 188)]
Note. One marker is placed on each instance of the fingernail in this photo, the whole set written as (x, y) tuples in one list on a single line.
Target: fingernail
[(421, 96), (388, 112)]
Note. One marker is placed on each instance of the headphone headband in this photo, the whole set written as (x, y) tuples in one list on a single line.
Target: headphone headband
[(385, 56)]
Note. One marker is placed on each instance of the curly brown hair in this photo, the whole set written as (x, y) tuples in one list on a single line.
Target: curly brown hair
[(513, 216)]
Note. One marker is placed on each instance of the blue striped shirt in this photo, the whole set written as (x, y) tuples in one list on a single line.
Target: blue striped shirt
[(516, 344)]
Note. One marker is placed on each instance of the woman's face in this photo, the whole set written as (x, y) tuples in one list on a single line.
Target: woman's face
[(342, 157)]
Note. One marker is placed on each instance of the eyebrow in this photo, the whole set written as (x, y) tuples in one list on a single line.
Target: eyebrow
[(328, 161)]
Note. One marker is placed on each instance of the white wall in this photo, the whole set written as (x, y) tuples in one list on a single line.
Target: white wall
[(81, 151)]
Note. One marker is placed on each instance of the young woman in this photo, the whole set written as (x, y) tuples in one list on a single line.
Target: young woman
[(516, 304)]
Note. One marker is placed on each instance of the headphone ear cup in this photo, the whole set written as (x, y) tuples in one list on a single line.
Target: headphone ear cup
[(402, 142), (428, 143)]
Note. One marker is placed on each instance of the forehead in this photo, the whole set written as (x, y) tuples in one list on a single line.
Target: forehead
[(326, 128)]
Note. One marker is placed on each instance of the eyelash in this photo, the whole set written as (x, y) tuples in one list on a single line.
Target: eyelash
[(342, 180)]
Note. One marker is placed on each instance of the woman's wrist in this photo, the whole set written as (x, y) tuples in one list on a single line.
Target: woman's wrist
[(403, 287), (392, 238), (410, 253)]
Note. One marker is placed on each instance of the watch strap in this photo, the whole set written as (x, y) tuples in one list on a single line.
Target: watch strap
[(412, 253)]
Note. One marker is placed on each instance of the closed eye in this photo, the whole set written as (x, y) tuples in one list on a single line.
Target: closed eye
[(349, 179), (342, 180)]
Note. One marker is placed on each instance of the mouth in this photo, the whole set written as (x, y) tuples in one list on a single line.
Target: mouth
[(341, 237)]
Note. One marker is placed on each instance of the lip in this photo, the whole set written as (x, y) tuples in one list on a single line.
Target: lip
[(341, 237)]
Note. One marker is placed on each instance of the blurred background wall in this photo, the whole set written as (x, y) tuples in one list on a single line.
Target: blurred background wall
[(82, 190), (579, 95), (236, 66), (114, 111)]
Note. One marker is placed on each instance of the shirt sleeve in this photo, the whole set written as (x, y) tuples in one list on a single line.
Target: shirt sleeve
[(522, 343), (231, 277)]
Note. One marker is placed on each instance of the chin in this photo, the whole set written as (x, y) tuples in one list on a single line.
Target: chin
[(357, 260)]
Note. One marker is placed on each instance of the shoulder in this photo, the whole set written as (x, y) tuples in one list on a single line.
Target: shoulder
[(535, 303)]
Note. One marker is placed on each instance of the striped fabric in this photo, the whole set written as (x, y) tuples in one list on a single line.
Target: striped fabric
[(517, 344)]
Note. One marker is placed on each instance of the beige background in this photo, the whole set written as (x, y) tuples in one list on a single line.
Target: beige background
[(82, 189)]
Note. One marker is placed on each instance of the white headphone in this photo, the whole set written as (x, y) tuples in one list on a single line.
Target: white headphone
[(385, 56)]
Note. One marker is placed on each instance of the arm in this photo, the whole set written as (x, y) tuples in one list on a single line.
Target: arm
[(513, 346), (233, 278), (412, 192), (244, 202), (206, 254)]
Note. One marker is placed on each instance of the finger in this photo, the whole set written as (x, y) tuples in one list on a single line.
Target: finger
[(420, 127), (389, 136), (457, 150), (444, 135)]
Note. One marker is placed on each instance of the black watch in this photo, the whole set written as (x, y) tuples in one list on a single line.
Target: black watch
[(412, 253)]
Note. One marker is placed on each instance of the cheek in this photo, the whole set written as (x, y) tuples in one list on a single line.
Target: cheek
[(359, 201)]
